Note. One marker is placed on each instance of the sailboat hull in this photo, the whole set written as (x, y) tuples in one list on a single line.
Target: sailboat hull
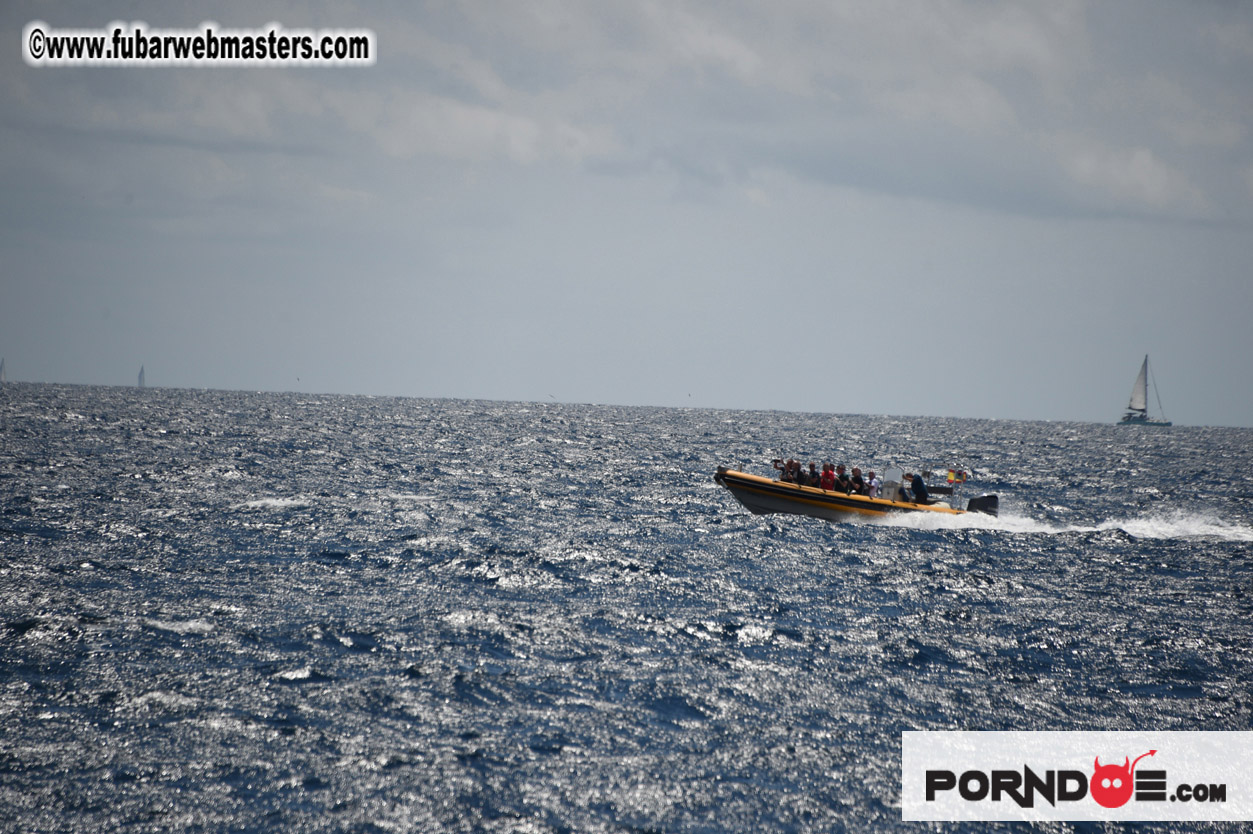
[(1141, 420)]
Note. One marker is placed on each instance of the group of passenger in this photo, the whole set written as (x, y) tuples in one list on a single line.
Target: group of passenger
[(834, 478)]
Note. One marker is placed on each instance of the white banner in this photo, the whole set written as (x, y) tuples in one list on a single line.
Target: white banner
[(1077, 776)]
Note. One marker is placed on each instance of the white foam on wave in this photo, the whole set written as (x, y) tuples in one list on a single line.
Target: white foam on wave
[(405, 496), (304, 673), (1182, 525), (1173, 524), (275, 503), (966, 521), (181, 627)]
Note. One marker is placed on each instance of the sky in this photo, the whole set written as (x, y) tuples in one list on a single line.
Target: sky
[(947, 208)]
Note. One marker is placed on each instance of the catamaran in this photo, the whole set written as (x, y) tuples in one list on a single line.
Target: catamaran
[(1138, 408)]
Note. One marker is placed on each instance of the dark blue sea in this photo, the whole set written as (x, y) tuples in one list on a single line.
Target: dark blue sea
[(256, 612)]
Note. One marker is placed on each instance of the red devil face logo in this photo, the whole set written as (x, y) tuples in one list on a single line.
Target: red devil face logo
[(1111, 784)]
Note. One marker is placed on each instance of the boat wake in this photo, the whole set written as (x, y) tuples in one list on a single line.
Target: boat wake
[(1181, 525), (1176, 524)]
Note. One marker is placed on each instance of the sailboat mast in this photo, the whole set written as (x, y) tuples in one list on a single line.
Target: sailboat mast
[(1156, 391)]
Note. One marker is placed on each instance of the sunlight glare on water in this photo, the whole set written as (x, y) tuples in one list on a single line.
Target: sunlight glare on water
[(271, 612)]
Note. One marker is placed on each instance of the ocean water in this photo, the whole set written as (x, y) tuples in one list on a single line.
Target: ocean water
[(279, 612)]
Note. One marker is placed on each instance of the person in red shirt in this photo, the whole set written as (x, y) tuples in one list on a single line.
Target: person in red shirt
[(828, 477)]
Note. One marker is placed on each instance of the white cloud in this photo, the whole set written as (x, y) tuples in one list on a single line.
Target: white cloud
[(1131, 178), (1189, 120), (412, 123), (1233, 39), (701, 41), (964, 101)]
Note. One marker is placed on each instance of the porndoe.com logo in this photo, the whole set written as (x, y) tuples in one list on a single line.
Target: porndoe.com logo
[(1060, 776), (1110, 785)]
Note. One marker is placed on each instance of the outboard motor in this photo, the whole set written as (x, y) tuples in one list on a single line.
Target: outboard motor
[(988, 504)]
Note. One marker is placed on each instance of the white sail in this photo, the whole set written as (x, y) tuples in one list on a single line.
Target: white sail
[(3, 378), (1139, 391), (141, 376), (1138, 408)]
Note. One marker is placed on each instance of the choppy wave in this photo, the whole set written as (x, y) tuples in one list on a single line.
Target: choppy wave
[(269, 612)]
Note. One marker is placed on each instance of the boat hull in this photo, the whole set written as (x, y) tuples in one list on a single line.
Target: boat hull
[(1137, 420), (762, 495)]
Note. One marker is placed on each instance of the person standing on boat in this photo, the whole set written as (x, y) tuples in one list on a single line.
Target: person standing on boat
[(919, 489), (813, 478), (873, 484), (842, 482), (828, 477)]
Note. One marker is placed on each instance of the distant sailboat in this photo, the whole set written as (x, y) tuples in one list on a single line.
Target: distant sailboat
[(141, 377), (1138, 408), (3, 377)]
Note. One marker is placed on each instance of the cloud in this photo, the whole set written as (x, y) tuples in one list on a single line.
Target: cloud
[(971, 103), (700, 42), (407, 124), (1129, 178), (965, 101), (1234, 39)]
